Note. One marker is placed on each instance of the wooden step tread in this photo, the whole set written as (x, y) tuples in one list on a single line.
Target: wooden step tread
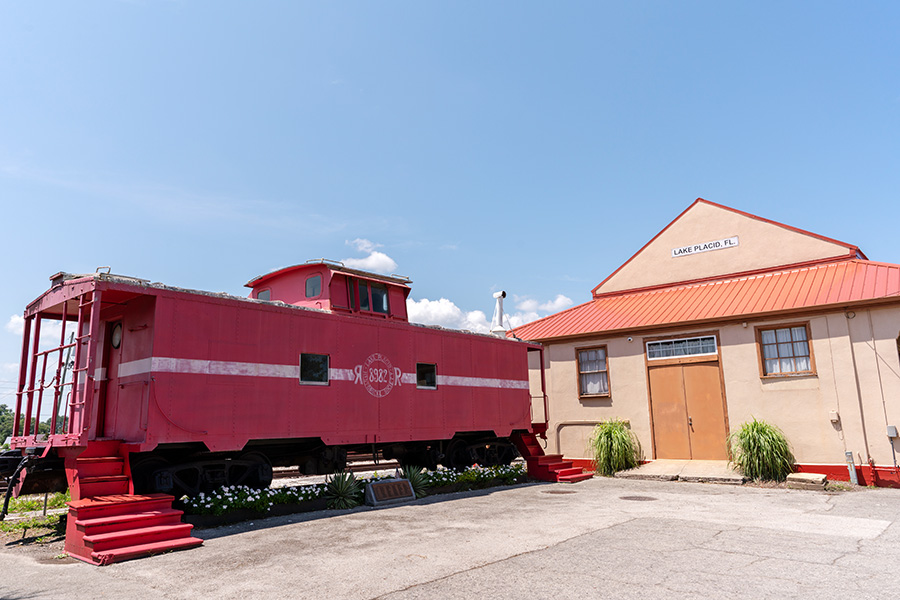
[(118, 499), (102, 478), (98, 459), (137, 533), (129, 517), (106, 557), (574, 478)]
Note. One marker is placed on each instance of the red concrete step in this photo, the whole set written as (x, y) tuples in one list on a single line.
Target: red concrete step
[(103, 465), (103, 485), (140, 550), (129, 521), (119, 504), (574, 478), (557, 466), (136, 537), (549, 458), (569, 471)]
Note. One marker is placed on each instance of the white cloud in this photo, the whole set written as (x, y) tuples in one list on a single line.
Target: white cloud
[(363, 245), (16, 324), (557, 304), (378, 262), (445, 313), (50, 330), (526, 304)]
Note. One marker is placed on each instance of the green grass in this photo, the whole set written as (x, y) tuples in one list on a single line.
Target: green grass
[(761, 451), (36, 502), (49, 526), (614, 447)]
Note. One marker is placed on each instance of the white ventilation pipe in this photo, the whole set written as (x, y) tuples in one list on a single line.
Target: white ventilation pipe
[(497, 327)]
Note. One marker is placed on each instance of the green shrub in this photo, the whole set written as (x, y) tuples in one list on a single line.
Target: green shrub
[(418, 479), (761, 452), (343, 490), (614, 447)]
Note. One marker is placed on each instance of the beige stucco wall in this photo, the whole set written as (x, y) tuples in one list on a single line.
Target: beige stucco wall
[(857, 376), (761, 245)]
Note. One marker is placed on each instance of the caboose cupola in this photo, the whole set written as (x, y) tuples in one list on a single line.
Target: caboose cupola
[(329, 285)]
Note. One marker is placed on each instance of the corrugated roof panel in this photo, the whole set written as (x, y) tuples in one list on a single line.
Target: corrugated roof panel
[(819, 285)]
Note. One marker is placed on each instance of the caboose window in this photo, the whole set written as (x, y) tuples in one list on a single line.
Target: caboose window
[(263, 294), (313, 368), (426, 376), (363, 296), (379, 298), (313, 286)]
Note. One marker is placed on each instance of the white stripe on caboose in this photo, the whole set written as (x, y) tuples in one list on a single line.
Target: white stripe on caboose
[(161, 364)]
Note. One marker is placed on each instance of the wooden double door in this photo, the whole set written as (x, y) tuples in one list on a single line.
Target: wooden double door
[(688, 410)]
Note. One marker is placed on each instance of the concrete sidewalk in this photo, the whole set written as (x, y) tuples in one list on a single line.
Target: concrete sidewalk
[(605, 537), (703, 471)]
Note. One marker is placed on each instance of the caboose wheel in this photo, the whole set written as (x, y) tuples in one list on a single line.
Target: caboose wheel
[(151, 476), (459, 455), (252, 469)]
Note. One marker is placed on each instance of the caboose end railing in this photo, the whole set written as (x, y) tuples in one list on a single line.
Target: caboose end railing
[(71, 380)]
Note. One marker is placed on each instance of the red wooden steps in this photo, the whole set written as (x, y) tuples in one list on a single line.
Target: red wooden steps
[(106, 523), (546, 467)]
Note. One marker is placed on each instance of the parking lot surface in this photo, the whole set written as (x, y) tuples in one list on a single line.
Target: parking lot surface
[(599, 538)]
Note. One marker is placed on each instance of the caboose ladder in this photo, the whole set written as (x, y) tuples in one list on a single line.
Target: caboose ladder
[(106, 523), (546, 467)]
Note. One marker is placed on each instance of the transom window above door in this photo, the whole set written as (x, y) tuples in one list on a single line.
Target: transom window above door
[(694, 346)]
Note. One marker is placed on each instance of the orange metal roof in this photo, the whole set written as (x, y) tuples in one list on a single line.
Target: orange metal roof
[(835, 284)]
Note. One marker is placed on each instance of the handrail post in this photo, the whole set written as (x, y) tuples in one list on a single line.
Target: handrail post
[(87, 407), (36, 343), (23, 374)]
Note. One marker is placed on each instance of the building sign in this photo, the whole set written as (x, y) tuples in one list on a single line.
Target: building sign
[(731, 242)]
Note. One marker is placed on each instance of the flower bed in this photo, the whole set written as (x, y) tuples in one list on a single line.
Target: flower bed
[(232, 504)]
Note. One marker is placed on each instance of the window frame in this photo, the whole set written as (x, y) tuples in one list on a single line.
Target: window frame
[(264, 291), (579, 373), (426, 387), (704, 355), (327, 369), (761, 361), (306, 286)]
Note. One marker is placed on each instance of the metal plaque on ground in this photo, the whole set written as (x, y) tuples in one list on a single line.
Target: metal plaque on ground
[(389, 491)]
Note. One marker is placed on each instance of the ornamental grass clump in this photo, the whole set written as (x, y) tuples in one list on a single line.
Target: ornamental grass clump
[(760, 451), (614, 447), (343, 490), (418, 479)]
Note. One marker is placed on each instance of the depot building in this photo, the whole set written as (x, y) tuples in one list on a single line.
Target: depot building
[(724, 317)]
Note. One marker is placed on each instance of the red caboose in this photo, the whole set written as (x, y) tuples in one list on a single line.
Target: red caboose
[(196, 390)]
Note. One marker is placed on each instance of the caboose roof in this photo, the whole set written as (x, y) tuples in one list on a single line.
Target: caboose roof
[(332, 266)]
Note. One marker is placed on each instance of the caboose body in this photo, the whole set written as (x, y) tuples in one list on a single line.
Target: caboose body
[(152, 392), (197, 389)]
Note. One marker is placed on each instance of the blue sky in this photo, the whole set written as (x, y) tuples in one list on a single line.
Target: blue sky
[(476, 146)]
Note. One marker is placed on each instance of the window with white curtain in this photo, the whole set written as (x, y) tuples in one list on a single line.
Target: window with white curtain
[(785, 351), (593, 373)]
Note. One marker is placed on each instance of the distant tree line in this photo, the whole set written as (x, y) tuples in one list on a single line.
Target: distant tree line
[(6, 423)]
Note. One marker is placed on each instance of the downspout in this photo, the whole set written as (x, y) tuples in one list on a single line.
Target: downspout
[(862, 414)]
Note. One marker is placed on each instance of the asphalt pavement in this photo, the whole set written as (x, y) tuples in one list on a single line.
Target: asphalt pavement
[(617, 538)]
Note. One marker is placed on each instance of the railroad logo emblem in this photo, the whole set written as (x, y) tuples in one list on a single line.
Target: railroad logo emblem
[(378, 375)]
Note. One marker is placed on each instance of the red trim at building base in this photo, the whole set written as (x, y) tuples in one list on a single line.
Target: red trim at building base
[(865, 475)]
